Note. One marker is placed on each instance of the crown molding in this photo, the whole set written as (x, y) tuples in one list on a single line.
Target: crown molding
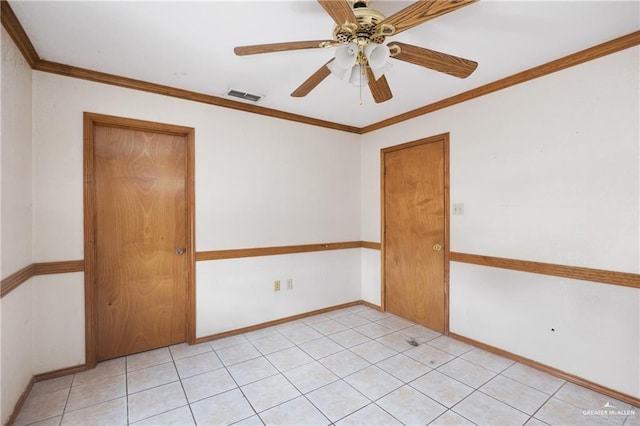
[(595, 52), (18, 35)]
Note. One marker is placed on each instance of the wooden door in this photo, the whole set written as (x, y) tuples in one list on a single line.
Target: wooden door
[(140, 222), (415, 231)]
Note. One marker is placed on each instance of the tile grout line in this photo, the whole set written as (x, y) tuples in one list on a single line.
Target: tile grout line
[(173, 359), (126, 385)]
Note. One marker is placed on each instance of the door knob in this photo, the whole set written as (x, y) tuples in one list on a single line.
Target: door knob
[(180, 250), (437, 247)]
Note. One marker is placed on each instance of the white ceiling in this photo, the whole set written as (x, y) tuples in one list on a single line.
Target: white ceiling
[(189, 45)]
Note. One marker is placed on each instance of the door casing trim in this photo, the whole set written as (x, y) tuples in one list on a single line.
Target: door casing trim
[(444, 138), (90, 120)]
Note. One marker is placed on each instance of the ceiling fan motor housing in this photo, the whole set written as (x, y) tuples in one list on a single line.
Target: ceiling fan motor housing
[(367, 29)]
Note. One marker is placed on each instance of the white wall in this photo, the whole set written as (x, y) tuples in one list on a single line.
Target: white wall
[(259, 182), (548, 171), (16, 222), (237, 293)]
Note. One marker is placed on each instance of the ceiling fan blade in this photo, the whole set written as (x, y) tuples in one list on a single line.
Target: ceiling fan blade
[(422, 11), (311, 83), (279, 47), (379, 88), (437, 61), (340, 11)]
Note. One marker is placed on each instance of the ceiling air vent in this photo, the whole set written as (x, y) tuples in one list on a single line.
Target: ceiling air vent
[(243, 95)]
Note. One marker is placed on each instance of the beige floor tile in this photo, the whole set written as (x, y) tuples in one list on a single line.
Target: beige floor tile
[(269, 392), (557, 412), (178, 417), (373, 351), (349, 338), (451, 419), (315, 319), (289, 325), (51, 421), (97, 391), (310, 377), (373, 315), (371, 415), (535, 422), (252, 371), (318, 375), (467, 373), (395, 323), (515, 394), (487, 360), (273, 343), (373, 330), (250, 421), (428, 355), (156, 401), (337, 400), (634, 419), (302, 334), (403, 367), (225, 342), (113, 367), (443, 389), (484, 410), (328, 327), (223, 409), (321, 348), (296, 412), (357, 308), (109, 413), (373, 382), (338, 313), (52, 385), (183, 350), (591, 400), (151, 377), (344, 363), (148, 359), (449, 345), (237, 353), (208, 384), (197, 364), (260, 333), (289, 358), (352, 320), (396, 341), (420, 333), (410, 406), (534, 378), (41, 407)]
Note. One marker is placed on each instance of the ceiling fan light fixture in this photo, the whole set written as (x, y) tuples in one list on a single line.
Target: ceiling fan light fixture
[(337, 70), (346, 55), (358, 76), (380, 71), (377, 55)]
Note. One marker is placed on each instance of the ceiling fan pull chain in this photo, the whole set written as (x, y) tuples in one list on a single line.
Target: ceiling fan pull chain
[(361, 69)]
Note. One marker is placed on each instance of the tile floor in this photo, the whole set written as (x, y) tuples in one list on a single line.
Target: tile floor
[(348, 367)]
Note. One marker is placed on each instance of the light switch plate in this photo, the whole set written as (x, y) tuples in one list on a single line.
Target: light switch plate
[(458, 209)]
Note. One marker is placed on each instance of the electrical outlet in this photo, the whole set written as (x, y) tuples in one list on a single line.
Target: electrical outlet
[(290, 284), (276, 285)]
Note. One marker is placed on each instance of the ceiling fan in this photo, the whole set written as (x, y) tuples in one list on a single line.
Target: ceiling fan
[(361, 56)]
